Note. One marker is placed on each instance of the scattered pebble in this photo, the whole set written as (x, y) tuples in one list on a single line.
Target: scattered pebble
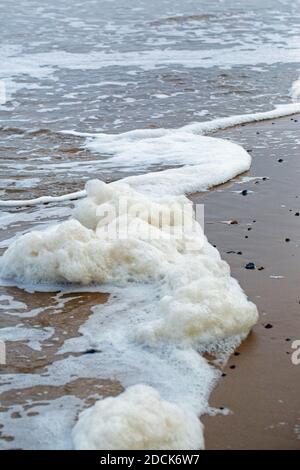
[(90, 351), (261, 268), (233, 222), (268, 326), (232, 367), (250, 266), (287, 240), (280, 160), (244, 192)]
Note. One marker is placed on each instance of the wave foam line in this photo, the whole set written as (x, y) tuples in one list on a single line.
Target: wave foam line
[(171, 146), (43, 199), (219, 124)]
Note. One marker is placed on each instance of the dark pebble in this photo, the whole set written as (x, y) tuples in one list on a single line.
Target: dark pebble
[(224, 375), (90, 351), (239, 253), (280, 160), (233, 222), (297, 214), (244, 192), (268, 326), (250, 266), (232, 367), (237, 353), (287, 240)]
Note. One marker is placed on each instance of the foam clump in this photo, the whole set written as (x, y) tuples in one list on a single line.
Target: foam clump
[(205, 311), (120, 235), (137, 419)]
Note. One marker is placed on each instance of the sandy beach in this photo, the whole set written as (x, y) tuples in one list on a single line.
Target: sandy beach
[(262, 389), (117, 305)]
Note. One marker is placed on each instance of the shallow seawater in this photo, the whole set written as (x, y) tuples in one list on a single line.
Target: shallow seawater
[(106, 66), (91, 66)]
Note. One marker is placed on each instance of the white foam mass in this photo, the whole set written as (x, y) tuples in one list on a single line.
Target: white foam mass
[(120, 235), (137, 419)]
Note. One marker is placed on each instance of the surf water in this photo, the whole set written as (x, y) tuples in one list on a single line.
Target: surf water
[(125, 94)]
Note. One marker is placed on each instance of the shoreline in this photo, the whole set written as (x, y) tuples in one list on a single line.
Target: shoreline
[(261, 383), (272, 421)]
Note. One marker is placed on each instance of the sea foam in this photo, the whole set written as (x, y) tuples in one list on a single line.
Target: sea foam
[(123, 237), (137, 419), (200, 162), (119, 235), (186, 300)]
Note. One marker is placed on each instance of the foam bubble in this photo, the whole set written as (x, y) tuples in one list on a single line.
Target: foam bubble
[(137, 419)]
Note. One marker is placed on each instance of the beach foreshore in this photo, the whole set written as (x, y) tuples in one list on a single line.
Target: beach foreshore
[(261, 385), (252, 219)]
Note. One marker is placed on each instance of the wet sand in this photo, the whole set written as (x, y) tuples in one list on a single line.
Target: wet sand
[(261, 385)]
